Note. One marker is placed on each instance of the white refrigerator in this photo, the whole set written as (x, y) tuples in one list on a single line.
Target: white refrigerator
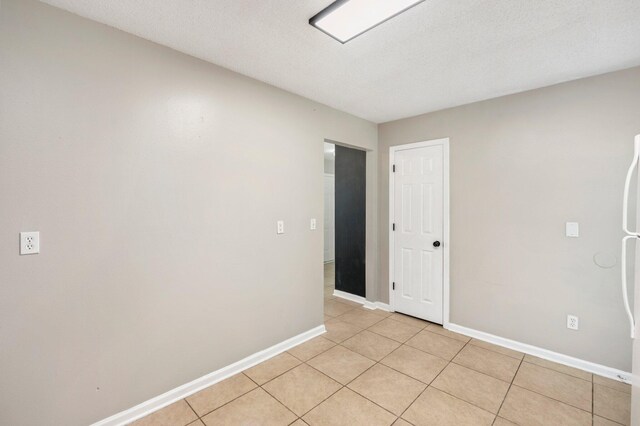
[(632, 234)]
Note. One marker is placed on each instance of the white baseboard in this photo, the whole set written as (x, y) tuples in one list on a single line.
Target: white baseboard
[(378, 305), (364, 302), (570, 361), (348, 296), (161, 401)]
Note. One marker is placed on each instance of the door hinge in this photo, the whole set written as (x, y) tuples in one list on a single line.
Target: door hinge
[(394, 286), (394, 168), (393, 227)]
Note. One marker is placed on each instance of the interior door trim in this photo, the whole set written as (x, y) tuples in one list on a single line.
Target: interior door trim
[(446, 244)]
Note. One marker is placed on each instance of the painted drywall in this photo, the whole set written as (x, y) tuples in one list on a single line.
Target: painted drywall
[(522, 166), (155, 180)]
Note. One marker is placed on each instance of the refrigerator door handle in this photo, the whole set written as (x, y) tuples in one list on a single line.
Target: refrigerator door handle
[(625, 297), (627, 183)]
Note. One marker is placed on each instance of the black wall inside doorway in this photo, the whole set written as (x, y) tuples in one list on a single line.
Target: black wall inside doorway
[(350, 217)]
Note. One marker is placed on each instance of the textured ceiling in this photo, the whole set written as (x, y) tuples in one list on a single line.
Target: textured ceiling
[(439, 54)]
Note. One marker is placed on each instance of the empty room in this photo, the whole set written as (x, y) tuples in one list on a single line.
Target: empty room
[(318, 212)]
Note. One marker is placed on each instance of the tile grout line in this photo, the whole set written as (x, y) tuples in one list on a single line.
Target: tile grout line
[(345, 385), (280, 402), (230, 401), (509, 389), (194, 411), (352, 380), (355, 378), (427, 385), (553, 399), (593, 399), (462, 399), (547, 396), (433, 380)]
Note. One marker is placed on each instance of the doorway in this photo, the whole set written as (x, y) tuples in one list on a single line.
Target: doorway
[(419, 230), (344, 222), (329, 219)]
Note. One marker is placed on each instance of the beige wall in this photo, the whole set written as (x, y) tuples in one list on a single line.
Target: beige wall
[(522, 166), (156, 181)]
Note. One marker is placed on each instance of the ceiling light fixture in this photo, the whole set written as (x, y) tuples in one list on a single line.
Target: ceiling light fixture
[(345, 20)]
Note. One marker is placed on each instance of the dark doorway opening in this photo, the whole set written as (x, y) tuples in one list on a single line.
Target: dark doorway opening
[(350, 220)]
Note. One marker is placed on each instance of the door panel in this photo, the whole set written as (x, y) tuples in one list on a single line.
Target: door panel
[(419, 222)]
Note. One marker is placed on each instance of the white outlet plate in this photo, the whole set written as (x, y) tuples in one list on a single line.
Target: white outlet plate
[(29, 243), (313, 225), (572, 322), (280, 227)]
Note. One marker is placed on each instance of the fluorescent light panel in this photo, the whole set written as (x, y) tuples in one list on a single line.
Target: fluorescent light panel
[(347, 19)]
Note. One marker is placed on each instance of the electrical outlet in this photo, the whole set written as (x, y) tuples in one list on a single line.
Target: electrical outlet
[(313, 225), (29, 243), (280, 227), (572, 322)]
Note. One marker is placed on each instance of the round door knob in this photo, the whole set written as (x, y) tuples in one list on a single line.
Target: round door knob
[(436, 243)]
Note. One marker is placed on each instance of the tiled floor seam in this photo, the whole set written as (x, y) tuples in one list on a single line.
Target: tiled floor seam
[(550, 397), (429, 384), (560, 372), (593, 398), (461, 399), (319, 353), (398, 371), (354, 379), (194, 411), (450, 361), (398, 341), (457, 397), (531, 390), (363, 396), (228, 402), (347, 386), (508, 389), (308, 365), (605, 417), (281, 403), (557, 400), (438, 356)]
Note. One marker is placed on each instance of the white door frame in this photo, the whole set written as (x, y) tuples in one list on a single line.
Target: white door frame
[(447, 241), (333, 176)]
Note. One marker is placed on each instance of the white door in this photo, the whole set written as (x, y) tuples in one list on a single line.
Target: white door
[(418, 216), (329, 218)]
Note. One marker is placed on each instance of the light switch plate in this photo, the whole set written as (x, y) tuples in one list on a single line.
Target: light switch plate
[(313, 225), (572, 229), (29, 243), (280, 227)]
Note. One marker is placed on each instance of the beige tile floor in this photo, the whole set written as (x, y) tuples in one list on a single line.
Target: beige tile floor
[(378, 368)]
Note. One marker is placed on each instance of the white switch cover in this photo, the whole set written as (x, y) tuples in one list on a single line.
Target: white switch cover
[(29, 243), (573, 229), (281, 227), (313, 225)]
